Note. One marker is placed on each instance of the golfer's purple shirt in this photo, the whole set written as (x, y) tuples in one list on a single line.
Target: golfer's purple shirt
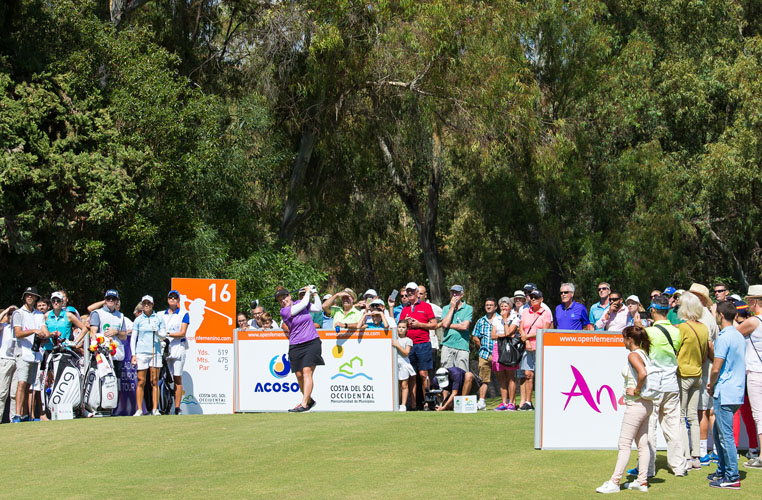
[(301, 328)]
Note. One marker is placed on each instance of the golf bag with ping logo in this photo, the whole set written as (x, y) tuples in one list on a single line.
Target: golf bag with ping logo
[(62, 379)]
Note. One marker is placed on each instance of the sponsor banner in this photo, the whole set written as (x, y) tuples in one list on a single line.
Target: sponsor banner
[(580, 388), (128, 382), (208, 370), (358, 373)]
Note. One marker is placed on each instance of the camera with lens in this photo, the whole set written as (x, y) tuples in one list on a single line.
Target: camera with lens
[(432, 399), (36, 344)]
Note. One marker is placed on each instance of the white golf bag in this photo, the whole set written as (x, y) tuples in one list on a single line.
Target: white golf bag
[(101, 392), (62, 381)]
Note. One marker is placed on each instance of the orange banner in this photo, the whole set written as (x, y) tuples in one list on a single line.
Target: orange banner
[(587, 339), (210, 304)]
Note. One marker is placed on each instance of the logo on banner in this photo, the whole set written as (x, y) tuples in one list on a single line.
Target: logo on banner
[(280, 369), (350, 370), (581, 388)]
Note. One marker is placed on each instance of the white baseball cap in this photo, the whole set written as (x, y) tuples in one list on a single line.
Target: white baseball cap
[(411, 285), (370, 292), (57, 295), (148, 298), (633, 298), (377, 302)]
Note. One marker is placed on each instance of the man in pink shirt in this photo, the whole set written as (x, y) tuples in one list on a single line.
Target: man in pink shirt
[(615, 318), (534, 318)]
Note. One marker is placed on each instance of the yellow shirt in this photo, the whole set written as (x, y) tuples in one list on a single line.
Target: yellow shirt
[(693, 348)]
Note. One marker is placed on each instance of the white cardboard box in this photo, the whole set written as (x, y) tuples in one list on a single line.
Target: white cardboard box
[(464, 404), (63, 412)]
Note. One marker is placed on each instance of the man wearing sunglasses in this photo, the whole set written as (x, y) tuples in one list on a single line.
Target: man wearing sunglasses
[(571, 315), (615, 318), (721, 292), (599, 309)]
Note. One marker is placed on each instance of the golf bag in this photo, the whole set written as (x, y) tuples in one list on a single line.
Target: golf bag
[(101, 391), (166, 384), (62, 380)]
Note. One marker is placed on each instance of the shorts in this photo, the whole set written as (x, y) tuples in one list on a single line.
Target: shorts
[(454, 357), (485, 370), (527, 361), (420, 357), (26, 371), (308, 353), (152, 360), (176, 365), (496, 366)]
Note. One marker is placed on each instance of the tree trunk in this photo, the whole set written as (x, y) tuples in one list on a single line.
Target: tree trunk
[(738, 269), (425, 222), (297, 190)]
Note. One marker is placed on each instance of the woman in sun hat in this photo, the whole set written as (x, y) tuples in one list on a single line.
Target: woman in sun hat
[(305, 348), (752, 330)]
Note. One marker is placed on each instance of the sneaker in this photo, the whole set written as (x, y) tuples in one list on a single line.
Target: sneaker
[(26, 418), (714, 457), (511, 407), (636, 486), (530, 407), (298, 409), (501, 407), (754, 463), (481, 405), (706, 460), (752, 453), (633, 471), (525, 407), (683, 473), (156, 412), (311, 404), (178, 411), (608, 487), (403, 408), (694, 464), (138, 413), (16, 419), (726, 484), (714, 476)]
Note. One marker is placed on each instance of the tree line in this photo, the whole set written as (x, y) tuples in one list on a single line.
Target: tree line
[(364, 144)]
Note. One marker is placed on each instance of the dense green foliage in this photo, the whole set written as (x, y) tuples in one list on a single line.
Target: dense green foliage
[(364, 144)]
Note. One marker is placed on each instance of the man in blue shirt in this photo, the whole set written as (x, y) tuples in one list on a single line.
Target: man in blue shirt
[(598, 310), (570, 315), (727, 382)]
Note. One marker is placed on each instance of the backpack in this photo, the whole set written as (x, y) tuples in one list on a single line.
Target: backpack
[(652, 388)]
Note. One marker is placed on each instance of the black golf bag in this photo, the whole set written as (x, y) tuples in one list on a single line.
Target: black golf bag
[(166, 384)]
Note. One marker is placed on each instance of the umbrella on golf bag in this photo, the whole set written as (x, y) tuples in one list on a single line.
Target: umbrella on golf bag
[(166, 384), (63, 380)]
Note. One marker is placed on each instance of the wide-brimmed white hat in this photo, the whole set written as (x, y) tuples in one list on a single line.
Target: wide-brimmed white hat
[(755, 291), (702, 293)]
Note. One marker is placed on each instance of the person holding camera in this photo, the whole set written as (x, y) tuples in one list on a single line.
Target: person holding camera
[(148, 332), (30, 331), (615, 317), (305, 348), (452, 382), (456, 321)]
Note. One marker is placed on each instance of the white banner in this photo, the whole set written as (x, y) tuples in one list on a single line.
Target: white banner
[(358, 374), (580, 390)]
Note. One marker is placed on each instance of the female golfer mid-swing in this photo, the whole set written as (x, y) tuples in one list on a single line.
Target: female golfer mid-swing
[(304, 343)]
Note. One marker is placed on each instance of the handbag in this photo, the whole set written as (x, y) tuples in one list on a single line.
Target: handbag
[(510, 349), (652, 388)]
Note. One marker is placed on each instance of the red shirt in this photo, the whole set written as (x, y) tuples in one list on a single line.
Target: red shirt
[(422, 313)]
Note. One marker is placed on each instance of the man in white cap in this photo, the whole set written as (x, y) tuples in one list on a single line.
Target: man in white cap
[(420, 319), (30, 331)]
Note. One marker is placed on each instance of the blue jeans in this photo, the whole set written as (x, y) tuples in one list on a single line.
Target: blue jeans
[(722, 433)]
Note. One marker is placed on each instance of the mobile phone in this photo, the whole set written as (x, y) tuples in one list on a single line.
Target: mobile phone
[(393, 296)]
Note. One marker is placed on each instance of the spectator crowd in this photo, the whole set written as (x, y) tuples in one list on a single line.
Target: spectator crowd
[(709, 353)]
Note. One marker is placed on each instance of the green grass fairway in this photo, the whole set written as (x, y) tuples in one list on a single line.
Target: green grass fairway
[(315, 455)]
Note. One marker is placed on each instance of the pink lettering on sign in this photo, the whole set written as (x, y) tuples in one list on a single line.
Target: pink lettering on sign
[(581, 388)]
